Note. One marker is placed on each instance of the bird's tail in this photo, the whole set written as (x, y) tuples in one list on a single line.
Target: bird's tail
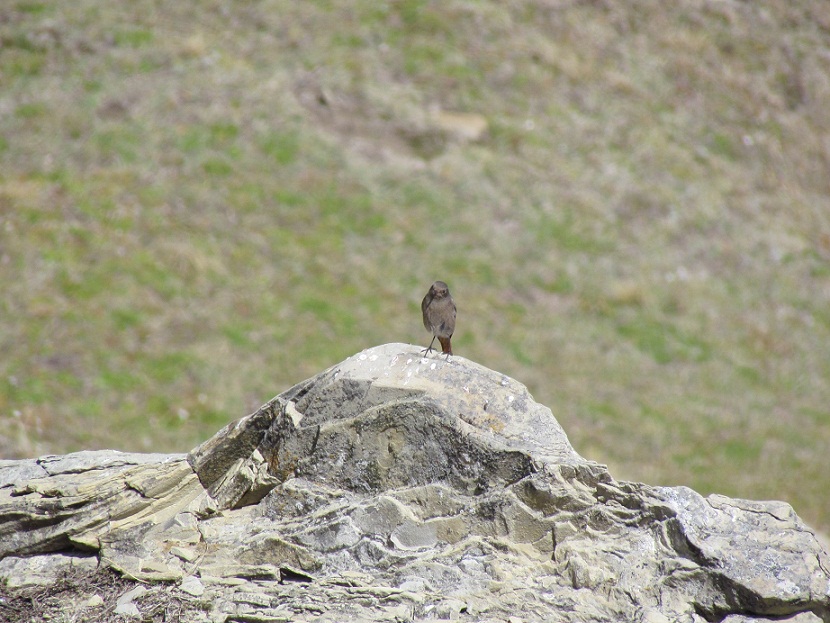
[(446, 347)]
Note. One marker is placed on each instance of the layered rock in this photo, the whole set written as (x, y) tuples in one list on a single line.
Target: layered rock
[(397, 487)]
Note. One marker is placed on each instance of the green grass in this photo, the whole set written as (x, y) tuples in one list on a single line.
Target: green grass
[(197, 212), (664, 342)]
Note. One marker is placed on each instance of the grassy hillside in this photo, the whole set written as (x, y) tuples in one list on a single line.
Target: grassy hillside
[(202, 204)]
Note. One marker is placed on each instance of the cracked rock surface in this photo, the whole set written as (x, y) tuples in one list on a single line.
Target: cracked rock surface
[(393, 487)]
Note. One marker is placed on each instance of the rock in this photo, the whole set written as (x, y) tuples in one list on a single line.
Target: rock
[(94, 601), (804, 617), (393, 487), (125, 606), (43, 570), (192, 586), (464, 126), (128, 610)]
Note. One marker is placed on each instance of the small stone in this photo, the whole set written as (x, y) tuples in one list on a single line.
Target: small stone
[(192, 586), (186, 554), (138, 591), (125, 605), (464, 126), (159, 572), (94, 601), (128, 609)]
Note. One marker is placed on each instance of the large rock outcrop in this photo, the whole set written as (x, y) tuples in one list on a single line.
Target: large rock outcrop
[(396, 487)]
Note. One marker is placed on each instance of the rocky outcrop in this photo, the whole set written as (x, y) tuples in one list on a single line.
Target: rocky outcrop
[(396, 487)]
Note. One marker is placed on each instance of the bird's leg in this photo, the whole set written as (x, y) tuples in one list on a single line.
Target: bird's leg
[(429, 348)]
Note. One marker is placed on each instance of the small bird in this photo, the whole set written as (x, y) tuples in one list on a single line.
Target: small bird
[(438, 310)]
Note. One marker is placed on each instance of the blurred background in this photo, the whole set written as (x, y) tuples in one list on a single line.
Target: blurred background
[(204, 203)]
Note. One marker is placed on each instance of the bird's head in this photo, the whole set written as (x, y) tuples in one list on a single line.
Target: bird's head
[(439, 290)]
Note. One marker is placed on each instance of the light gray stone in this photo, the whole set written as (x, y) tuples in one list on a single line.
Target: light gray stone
[(94, 602), (20, 471), (128, 609), (124, 605), (127, 597), (394, 487), (43, 570), (192, 586)]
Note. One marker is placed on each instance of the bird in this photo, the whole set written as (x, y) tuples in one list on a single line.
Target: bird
[(438, 310)]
